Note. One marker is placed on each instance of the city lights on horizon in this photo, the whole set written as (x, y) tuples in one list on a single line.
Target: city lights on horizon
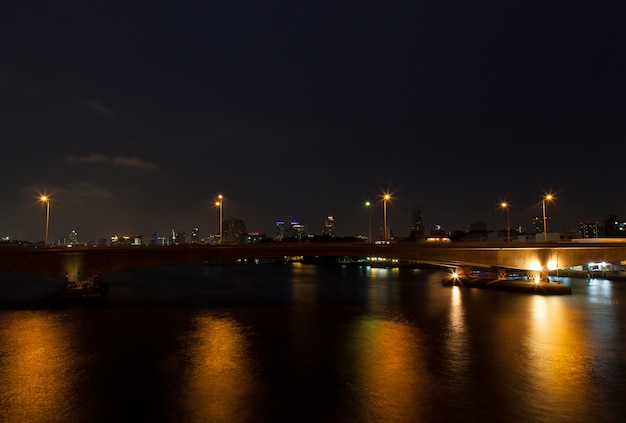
[(385, 229)]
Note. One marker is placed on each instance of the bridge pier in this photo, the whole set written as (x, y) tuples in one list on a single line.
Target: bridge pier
[(537, 276), (498, 273), (72, 264)]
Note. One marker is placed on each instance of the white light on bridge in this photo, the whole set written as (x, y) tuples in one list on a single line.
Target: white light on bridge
[(535, 265), (552, 265)]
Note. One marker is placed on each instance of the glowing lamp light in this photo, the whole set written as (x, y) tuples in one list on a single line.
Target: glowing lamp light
[(552, 265), (535, 265)]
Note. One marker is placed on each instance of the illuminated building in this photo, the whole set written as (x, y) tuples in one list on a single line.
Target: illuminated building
[(589, 230), (73, 237), (279, 232), (329, 226), (297, 230)]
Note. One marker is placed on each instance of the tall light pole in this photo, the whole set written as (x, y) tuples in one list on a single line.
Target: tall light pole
[(369, 220), (220, 204), (505, 205), (545, 219), (386, 198), (46, 199)]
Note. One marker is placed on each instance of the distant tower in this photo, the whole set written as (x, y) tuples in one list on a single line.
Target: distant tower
[(297, 230), (195, 236), (329, 226), (235, 231), (73, 237), (279, 232), (417, 224)]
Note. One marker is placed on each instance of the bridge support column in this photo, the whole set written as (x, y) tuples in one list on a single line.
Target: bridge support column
[(73, 263), (537, 276), (498, 273)]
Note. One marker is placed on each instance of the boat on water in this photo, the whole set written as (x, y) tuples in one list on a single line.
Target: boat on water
[(87, 289)]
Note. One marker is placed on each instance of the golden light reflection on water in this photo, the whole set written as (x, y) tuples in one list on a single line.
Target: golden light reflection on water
[(380, 291), (392, 376), (219, 377), (457, 338), (559, 363), (37, 368), (303, 284)]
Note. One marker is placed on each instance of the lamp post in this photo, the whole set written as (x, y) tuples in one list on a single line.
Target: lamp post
[(505, 205), (46, 199), (545, 219), (386, 198), (220, 203), (369, 221)]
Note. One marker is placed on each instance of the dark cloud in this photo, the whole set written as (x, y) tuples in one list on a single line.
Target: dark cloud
[(133, 162), (103, 110)]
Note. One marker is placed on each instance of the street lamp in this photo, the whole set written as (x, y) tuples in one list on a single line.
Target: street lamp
[(46, 199), (386, 198), (505, 205), (369, 220), (220, 204), (548, 197)]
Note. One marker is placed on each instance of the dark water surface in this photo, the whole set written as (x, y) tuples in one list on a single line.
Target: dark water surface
[(295, 343)]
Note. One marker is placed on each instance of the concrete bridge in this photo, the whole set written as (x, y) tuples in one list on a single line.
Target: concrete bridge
[(534, 258)]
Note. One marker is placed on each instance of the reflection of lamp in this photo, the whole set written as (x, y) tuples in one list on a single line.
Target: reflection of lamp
[(505, 205), (369, 221), (545, 225), (386, 198), (46, 199), (220, 204)]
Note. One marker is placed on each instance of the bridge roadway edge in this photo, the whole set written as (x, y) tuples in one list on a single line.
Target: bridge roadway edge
[(84, 261)]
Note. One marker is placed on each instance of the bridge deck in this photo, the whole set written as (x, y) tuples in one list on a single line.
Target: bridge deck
[(99, 260)]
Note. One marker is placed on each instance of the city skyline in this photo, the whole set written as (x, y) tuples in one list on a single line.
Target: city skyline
[(212, 230), (134, 118)]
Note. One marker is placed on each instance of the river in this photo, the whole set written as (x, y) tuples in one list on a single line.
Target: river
[(296, 342)]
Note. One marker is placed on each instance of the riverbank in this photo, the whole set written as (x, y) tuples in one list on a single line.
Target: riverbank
[(542, 288)]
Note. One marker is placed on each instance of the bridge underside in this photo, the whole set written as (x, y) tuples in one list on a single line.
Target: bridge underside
[(537, 259)]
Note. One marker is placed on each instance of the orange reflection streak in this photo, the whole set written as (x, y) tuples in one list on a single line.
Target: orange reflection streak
[(560, 364), (36, 369), (220, 375), (393, 380), (303, 283), (457, 338)]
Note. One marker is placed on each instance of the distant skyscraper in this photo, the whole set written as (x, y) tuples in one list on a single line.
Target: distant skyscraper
[(195, 236), (234, 231), (297, 230), (73, 237), (329, 226), (417, 224), (279, 232)]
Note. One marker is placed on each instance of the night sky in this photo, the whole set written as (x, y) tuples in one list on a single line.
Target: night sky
[(133, 117)]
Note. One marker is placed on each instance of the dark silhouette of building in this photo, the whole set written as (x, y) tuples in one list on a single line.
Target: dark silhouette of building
[(417, 223), (234, 231)]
